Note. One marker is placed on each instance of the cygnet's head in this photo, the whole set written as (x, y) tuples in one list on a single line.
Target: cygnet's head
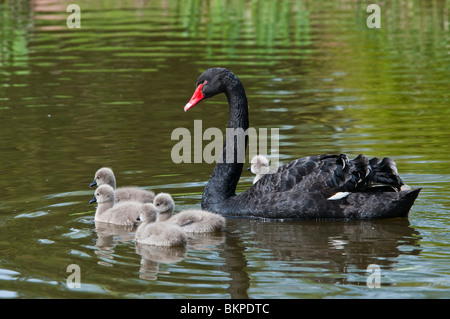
[(164, 203), (260, 165), (104, 175), (148, 214), (103, 194)]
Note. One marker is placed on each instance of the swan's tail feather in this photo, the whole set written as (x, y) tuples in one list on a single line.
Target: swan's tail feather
[(366, 175), (374, 173), (386, 173)]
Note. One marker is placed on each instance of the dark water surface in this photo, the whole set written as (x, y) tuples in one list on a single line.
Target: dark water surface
[(112, 92)]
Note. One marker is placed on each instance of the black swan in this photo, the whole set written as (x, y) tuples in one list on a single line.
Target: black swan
[(313, 187)]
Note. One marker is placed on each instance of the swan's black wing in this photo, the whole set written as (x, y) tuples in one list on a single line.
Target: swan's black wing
[(330, 174)]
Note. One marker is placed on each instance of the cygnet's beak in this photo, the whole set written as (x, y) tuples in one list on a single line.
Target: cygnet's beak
[(93, 200), (138, 218), (249, 168), (94, 183)]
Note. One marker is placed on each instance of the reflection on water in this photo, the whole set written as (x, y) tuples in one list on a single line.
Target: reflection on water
[(315, 251), (111, 93), (152, 256), (251, 250)]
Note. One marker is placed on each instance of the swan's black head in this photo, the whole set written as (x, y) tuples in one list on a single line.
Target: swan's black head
[(211, 82)]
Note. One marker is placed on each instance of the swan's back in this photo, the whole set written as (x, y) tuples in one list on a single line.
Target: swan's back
[(331, 174), (134, 193), (198, 221), (161, 234), (191, 221), (125, 213), (325, 186)]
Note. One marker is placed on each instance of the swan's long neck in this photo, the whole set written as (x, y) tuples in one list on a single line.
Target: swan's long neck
[(103, 207), (165, 215), (225, 176)]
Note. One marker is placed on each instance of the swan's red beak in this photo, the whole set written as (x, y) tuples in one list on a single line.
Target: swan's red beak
[(196, 97)]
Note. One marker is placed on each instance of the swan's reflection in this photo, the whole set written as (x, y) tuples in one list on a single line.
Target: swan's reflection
[(358, 243), (108, 235), (152, 256), (336, 247), (205, 241), (322, 251)]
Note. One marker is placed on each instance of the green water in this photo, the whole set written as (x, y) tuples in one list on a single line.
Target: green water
[(112, 92)]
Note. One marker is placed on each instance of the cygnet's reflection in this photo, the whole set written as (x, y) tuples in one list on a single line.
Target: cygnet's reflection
[(109, 235), (153, 256)]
